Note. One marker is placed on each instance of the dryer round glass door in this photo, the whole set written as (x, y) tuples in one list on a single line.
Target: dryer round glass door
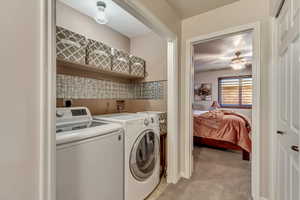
[(144, 155)]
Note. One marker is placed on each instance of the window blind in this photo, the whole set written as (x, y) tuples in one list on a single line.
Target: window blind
[(235, 92)]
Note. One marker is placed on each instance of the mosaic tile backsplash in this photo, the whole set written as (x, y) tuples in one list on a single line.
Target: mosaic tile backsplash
[(75, 87)]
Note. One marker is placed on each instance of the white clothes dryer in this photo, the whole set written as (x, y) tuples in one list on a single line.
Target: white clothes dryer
[(142, 158)]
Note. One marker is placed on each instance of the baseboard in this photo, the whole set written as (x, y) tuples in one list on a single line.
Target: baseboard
[(183, 175), (263, 198), (177, 179), (259, 198), (173, 179)]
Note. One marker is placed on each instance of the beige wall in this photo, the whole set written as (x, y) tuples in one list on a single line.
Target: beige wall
[(153, 49), (165, 13), (20, 99), (71, 19), (20, 79), (212, 77), (20, 91), (150, 47), (108, 106), (274, 6), (236, 14)]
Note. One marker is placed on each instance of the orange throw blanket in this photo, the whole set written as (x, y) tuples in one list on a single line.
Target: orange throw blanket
[(225, 126)]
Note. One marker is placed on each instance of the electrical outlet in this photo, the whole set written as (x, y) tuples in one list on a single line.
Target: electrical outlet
[(68, 102)]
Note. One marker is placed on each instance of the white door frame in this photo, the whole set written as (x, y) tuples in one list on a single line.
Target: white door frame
[(188, 123), (137, 9), (273, 109), (47, 173), (273, 98)]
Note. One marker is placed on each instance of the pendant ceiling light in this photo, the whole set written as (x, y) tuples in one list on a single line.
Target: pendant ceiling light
[(100, 15), (238, 62)]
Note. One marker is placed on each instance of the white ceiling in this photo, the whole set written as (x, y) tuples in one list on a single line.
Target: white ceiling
[(218, 53), (118, 18), (189, 8)]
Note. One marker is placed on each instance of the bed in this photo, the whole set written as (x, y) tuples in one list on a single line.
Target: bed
[(223, 129)]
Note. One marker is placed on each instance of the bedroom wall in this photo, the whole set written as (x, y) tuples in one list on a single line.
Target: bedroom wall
[(236, 14), (212, 77)]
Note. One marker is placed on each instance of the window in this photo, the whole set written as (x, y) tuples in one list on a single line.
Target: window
[(235, 92)]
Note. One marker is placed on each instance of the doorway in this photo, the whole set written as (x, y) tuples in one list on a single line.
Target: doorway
[(189, 122), (48, 155)]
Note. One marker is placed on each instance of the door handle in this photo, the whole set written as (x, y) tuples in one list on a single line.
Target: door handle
[(295, 148), (280, 132)]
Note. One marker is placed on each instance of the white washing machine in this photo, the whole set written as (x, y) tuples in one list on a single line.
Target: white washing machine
[(142, 158), (83, 168)]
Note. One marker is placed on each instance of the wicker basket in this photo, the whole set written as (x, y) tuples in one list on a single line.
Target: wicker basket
[(99, 55), (137, 66), (121, 62), (70, 46)]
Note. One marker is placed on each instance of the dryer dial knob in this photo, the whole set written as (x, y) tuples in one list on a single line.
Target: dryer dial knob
[(152, 120), (146, 122)]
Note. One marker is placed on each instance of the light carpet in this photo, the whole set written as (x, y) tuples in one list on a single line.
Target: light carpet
[(218, 175)]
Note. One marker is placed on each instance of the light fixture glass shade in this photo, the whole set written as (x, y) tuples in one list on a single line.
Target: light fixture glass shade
[(101, 17), (238, 66), (214, 106)]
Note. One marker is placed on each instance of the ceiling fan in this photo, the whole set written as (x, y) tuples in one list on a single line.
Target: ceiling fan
[(239, 62)]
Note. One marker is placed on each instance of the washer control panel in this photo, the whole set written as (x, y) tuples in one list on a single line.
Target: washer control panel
[(72, 114)]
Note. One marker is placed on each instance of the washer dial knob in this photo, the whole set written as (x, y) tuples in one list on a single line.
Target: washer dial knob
[(59, 114)]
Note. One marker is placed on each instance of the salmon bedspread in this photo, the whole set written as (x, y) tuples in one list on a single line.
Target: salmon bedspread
[(225, 126)]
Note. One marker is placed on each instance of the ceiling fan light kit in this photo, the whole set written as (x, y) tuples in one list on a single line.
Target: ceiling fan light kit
[(238, 62)]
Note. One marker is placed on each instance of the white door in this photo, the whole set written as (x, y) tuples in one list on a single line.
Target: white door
[(288, 92)]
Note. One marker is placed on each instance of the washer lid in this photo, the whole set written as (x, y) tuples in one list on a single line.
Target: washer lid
[(78, 126), (85, 133), (121, 117)]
